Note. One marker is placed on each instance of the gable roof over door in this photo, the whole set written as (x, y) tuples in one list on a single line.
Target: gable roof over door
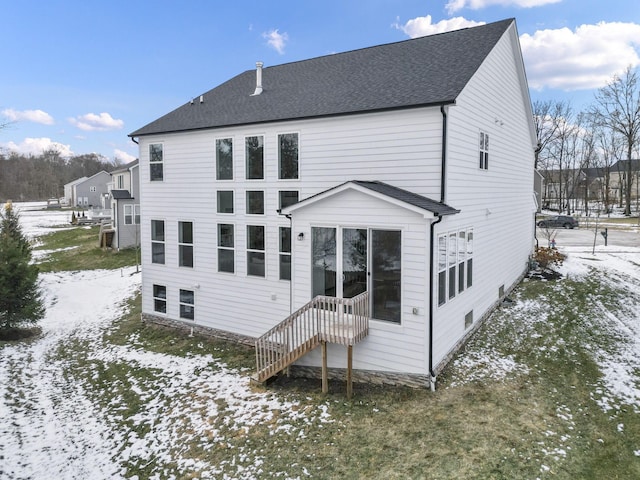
[(423, 71), (389, 193)]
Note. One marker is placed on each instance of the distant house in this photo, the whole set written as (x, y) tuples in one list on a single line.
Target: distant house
[(376, 204), (70, 191), (88, 191), (124, 198)]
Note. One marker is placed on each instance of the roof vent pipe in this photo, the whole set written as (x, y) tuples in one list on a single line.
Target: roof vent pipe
[(258, 78)]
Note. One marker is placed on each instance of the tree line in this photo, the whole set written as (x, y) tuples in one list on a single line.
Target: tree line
[(579, 153), (26, 178)]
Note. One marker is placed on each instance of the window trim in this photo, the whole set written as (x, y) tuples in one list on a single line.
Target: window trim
[(182, 303), (162, 242), (262, 251), (186, 244), (448, 274), (160, 162), (233, 202), (217, 160), (246, 158), (134, 214), (280, 176), (283, 253), (484, 151), (247, 203), (280, 192), (226, 248), (159, 299)]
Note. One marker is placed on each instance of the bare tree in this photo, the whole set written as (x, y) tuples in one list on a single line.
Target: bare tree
[(546, 124), (618, 108)]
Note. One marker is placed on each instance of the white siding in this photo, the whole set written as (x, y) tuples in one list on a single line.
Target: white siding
[(492, 102), (389, 346), (402, 148), (381, 146)]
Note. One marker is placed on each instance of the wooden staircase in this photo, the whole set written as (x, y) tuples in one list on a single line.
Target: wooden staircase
[(344, 321)]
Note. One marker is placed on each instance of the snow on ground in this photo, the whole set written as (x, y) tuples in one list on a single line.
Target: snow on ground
[(52, 427)]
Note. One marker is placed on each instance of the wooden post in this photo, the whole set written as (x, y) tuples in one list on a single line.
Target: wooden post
[(349, 369), (325, 378)]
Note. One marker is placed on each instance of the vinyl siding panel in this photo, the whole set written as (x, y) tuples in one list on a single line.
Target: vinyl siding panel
[(493, 102), (389, 346), (331, 151)]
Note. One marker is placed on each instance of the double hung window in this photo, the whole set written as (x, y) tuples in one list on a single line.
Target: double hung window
[(284, 248), (187, 304), (185, 244), (226, 248), (156, 162), (455, 264), (255, 251), (132, 214), (157, 241), (484, 151), (160, 298)]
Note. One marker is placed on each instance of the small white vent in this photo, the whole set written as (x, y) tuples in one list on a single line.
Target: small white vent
[(258, 90)]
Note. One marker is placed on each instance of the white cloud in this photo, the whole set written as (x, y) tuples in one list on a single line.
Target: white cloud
[(35, 116), (421, 26), (35, 146), (124, 156), (584, 58), (92, 122), (276, 40), (456, 5)]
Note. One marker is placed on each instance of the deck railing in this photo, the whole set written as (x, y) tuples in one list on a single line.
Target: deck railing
[(335, 320)]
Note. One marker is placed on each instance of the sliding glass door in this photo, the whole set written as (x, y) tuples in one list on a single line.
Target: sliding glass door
[(349, 261)]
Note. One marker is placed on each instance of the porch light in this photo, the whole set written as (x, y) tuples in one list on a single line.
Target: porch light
[(301, 236)]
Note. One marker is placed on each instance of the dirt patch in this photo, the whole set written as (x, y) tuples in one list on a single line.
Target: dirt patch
[(15, 334)]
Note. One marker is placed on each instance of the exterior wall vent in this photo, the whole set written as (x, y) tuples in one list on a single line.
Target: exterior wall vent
[(501, 291), (468, 319)]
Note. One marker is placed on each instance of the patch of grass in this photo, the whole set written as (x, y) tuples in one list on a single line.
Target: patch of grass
[(541, 421), (77, 249)]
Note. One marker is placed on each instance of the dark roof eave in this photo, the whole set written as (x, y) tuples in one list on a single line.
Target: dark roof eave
[(291, 119)]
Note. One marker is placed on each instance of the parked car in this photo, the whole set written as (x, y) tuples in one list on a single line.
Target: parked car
[(563, 221)]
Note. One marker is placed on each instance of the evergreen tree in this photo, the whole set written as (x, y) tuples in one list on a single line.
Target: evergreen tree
[(20, 298)]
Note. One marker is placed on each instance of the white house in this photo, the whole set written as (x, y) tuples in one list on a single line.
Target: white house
[(124, 196), (392, 184), (70, 192)]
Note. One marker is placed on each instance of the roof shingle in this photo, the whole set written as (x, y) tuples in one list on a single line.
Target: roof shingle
[(424, 71)]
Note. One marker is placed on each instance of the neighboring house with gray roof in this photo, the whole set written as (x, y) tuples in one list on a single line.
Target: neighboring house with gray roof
[(124, 195), (90, 191), (384, 193)]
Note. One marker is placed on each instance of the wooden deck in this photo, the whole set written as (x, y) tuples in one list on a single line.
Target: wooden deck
[(344, 321)]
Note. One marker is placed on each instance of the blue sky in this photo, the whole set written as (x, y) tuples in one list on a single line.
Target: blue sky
[(80, 75)]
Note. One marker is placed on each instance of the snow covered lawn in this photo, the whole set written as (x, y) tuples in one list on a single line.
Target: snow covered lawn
[(548, 388)]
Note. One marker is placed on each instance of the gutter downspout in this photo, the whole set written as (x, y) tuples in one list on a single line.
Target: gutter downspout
[(443, 166), (432, 375)]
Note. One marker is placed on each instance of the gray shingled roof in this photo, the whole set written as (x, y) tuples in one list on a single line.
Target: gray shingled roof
[(430, 70), (405, 196), (121, 194)]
